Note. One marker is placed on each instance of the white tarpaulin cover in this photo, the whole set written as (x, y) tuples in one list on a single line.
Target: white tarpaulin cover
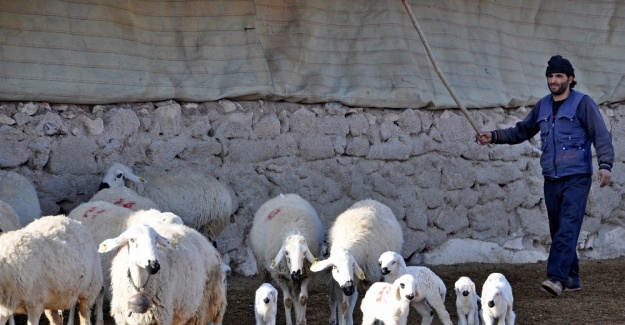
[(357, 52)]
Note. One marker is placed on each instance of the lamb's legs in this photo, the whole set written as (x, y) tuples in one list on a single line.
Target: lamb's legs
[(439, 306), (462, 318), (426, 312), (34, 314), (510, 316), (333, 302), (84, 313), (54, 316)]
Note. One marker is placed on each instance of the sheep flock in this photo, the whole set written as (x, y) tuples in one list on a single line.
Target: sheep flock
[(147, 254)]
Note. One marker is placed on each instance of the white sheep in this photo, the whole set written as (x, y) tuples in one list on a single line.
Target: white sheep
[(389, 302), (266, 304), (466, 301), (357, 238), (199, 199), (430, 287), (8, 218), (19, 192), (106, 220), (287, 227), (124, 197), (57, 265), (497, 300), (180, 283)]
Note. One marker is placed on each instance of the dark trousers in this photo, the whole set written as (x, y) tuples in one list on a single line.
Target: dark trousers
[(566, 205)]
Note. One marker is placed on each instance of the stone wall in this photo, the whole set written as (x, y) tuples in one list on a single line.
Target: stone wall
[(458, 201)]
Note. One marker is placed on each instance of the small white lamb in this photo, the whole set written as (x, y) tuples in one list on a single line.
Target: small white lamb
[(430, 287), (266, 304), (497, 301), (389, 303), (466, 302)]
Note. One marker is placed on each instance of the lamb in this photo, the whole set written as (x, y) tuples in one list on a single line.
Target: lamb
[(8, 218), (200, 200), (430, 287), (19, 192), (46, 282), (466, 302), (497, 300), (106, 220), (183, 283), (266, 304), (287, 227), (124, 197), (389, 303), (357, 238)]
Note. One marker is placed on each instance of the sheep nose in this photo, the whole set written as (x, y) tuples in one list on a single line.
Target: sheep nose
[(491, 304), (410, 296), (153, 267), (103, 185), (266, 300), (348, 288), (296, 276), (385, 271), (465, 293)]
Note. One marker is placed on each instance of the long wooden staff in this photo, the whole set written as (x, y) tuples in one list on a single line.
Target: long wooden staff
[(440, 73)]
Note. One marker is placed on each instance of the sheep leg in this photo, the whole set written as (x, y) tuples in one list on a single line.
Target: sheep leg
[(332, 301), (424, 309), (84, 312), (99, 306), (348, 316), (287, 300), (462, 318), (300, 310), (439, 306), (510, 316), (34, 314), (54, 316)]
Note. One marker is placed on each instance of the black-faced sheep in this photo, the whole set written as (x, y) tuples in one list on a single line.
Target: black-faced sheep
[(357, 238), (19, 192), (266, 304), (56, 262), (182, 283), (430, 287), (199, 199), (389, 302), (466, 302), (497, 301), (287, 228)]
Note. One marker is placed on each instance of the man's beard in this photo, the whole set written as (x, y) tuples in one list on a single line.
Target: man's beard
[(561, 89)]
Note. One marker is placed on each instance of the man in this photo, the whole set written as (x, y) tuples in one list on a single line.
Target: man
[(569, 122)]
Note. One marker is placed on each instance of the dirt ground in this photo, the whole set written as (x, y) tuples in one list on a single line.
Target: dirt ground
[(599, 302)]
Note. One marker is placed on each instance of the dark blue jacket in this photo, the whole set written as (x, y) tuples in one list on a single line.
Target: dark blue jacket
[(565, 138)]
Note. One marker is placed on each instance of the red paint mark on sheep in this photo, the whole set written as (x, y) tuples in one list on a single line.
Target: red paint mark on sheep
[(383, 293), (129, 204), (119, 202), (86, 214), (273, 214)]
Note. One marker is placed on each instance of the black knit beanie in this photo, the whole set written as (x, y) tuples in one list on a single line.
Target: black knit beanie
[(558, 64)]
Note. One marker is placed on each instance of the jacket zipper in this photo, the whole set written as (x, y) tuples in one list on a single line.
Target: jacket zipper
[(553, 138)]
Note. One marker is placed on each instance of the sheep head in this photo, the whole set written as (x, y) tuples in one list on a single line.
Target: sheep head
[(344, 268), (392, 263), (117, 174), (464, 286), (295, 249), (405, 287), (141, 242)]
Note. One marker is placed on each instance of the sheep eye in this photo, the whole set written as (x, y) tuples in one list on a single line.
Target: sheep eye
[(401, 285), (335, 268), (287, 253), (132, 240), (119, 175)]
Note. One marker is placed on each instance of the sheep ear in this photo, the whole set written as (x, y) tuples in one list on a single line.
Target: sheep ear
[(358, 272), (309, 256), (165, 242), (112, 243), (320, 265), (135, 178), (397, 291), (278, 257)]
